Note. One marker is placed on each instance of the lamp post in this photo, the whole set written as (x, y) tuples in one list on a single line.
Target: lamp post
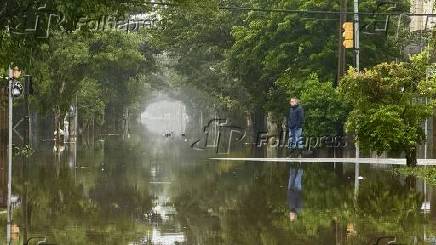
[(13, 91)]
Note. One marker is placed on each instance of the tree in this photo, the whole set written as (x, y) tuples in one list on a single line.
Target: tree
[(107, 73), (59, 55), (19, 38), (195, 36), (270, 43), (65, 65), (389, 106), (121, 62), (237, 56), (325, 112), (90, 103)]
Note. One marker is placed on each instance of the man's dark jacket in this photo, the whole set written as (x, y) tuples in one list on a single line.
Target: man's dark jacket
[(296, 117)]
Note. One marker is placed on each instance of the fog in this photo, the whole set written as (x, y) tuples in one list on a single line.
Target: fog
[(165, 116)]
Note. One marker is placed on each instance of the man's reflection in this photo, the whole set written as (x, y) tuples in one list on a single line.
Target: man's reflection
[(295, 200)]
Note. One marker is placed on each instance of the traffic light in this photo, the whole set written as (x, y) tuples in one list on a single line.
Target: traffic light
[(348, 35), (16, 87)]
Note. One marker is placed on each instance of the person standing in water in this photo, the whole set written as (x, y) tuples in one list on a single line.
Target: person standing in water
[(295, 125)]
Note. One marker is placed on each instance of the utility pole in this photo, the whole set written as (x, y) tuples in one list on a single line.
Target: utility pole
[(356, 34), (14, 89), (357, 53), (357, 59), (351, 41)]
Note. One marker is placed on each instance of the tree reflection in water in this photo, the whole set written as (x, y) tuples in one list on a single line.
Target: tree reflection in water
[(157, 190)]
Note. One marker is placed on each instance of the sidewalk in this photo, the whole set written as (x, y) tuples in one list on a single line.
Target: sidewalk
[(390, 161)]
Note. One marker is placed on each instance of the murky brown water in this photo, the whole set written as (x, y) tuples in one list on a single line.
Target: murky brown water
[(154, 190)]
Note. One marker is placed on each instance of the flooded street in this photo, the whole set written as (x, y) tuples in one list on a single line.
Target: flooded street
[(218, 122), (150, 189)]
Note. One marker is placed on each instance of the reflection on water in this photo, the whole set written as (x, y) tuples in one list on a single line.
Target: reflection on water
[(295, 188), (150, 190)]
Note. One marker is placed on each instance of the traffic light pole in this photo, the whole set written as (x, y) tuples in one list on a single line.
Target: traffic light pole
[(356, 46), (356, 33), (357, 58)]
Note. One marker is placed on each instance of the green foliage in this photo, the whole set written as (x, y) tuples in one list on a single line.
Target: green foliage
[(94, 67), (269, 44), (91, 102), (388, 104), (116, 59), (195, 37), (242, 58), (65, 62), (103, 71), (24, 151), (17, 15), (426, 173), (325, 111)]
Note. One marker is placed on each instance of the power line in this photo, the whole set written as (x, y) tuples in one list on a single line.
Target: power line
[(322, 11), (294, 11)]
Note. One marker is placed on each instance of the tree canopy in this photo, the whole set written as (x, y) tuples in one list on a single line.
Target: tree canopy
[(390, 101)]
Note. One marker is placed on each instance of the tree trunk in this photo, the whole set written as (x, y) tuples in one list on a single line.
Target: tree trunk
[(248, 119), (411, 157), (258, 120), (93, 130), (271, 124), (273, 134), (125, 122), (57, 126), (410, 182), (87, 132)]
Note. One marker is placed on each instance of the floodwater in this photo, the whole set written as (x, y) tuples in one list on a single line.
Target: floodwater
[(150, 189)]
